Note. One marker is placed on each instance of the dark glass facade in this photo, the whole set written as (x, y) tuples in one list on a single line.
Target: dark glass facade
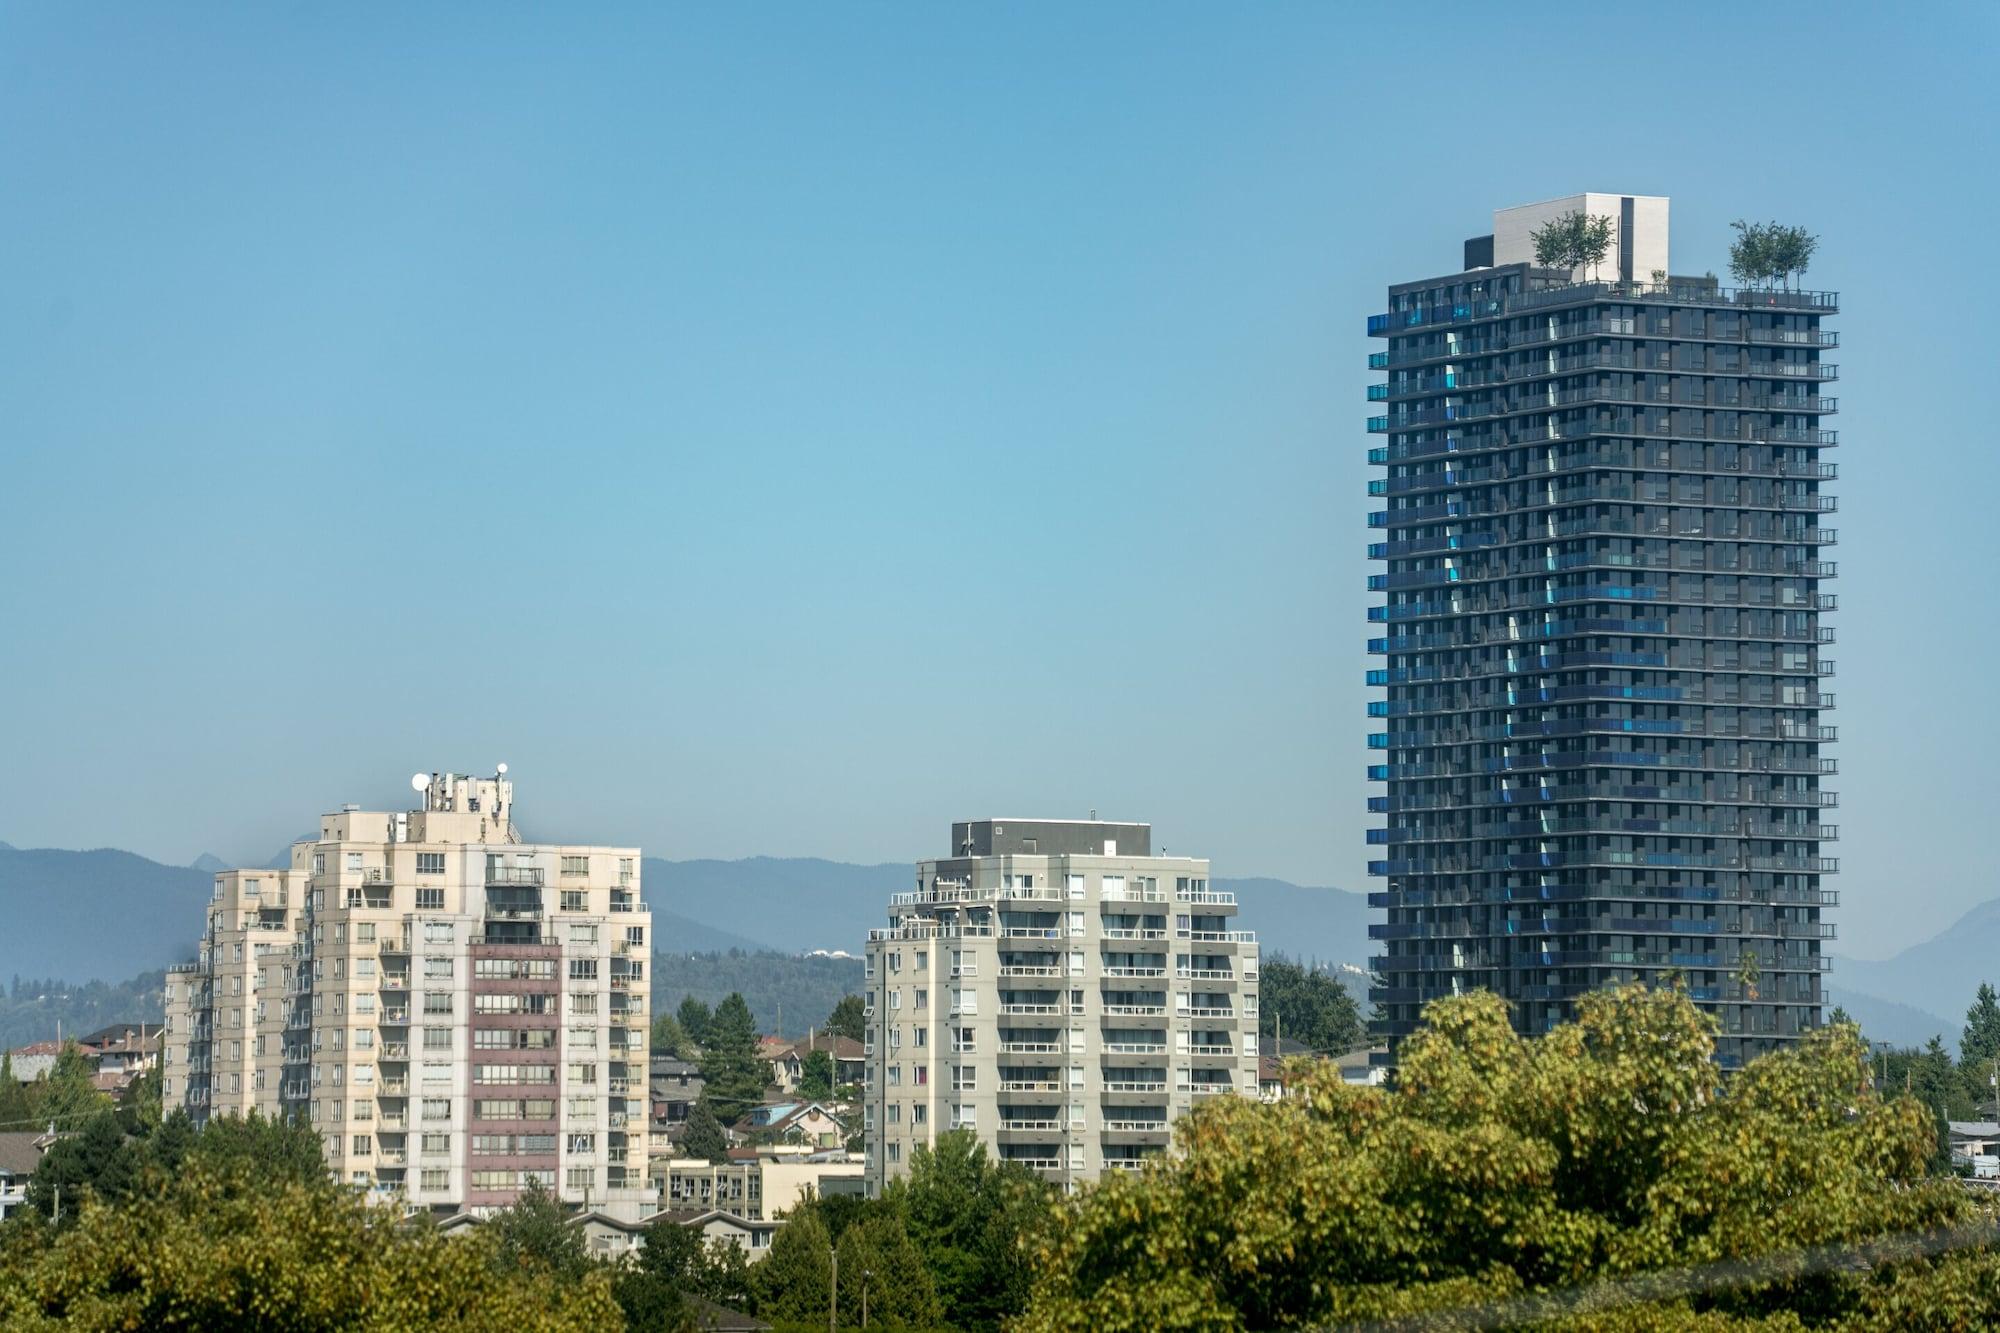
[(1604, 539)]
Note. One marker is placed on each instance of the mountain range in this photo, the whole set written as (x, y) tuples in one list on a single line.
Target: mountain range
[(108, 914)]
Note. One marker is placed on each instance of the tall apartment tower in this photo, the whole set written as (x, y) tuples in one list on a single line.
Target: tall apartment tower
[(457, 1012), (1061, 990), (225, 1029), (1603, 630)]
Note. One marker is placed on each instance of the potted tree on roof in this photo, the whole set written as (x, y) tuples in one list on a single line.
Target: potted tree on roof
[(1575, 240), (1770, 252)]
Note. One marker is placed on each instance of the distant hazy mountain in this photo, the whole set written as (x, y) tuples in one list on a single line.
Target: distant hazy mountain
[(96, 915), (209, 862), (1309, 924), (1939, 976), (109, 914), (790, 904), (1885, 1020)]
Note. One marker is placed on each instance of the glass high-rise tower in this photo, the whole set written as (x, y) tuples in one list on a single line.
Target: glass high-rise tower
[(1603, 634)]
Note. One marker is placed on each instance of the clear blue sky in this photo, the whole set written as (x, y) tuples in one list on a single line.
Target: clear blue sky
[(785, 429)]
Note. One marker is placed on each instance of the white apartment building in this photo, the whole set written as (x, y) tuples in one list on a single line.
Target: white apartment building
[(1062, 991), (457, 1012)]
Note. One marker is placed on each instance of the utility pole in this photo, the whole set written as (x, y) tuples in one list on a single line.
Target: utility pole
[(865, 1275), (833, 1293)]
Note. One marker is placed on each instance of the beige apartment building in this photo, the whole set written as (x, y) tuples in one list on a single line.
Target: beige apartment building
[(457, 1012), (1062, 991)]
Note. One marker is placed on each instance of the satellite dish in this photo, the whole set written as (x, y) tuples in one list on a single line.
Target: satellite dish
[(419, 782), (503, 768)]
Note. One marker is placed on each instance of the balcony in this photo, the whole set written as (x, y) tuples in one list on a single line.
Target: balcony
[(1031, 1048), (1042, 1126), (1134, 1087), (497, 875), (1142, 1126), (1030, 1085)]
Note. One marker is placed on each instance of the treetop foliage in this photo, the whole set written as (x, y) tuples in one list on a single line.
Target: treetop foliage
[(1309, 1005), (1575, 240), (1499, 1165), (1770, 252)]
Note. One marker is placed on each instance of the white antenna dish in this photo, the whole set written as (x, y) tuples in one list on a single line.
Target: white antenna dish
[(419, 781), (503, 768)]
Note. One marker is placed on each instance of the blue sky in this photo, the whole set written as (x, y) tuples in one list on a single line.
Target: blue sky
[(786, 429)]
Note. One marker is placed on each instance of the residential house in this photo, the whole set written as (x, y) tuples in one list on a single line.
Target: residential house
[(20, 1151), (30, 1062), (1976, 1144), (674, 1085), (794, 1122), (850, 1062)]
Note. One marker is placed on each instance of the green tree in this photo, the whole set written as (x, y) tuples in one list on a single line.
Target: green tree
[(271, 1147), (64, 1094), (849, 1019), (792, 1281), (704, 1136), (693, 1017), (199, 1251), (1307, 1004), (534, 1234), (1500, 1165), (733, 1077), (140, 1109), (1979, 1045), (1770, 251), (876, 1255), (93, 1161), (969, 1216), (816, 1076), (670, 1038), (15, 1112), (1574, 240)]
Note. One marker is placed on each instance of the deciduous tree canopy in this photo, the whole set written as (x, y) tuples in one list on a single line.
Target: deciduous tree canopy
[(1498, 1165)]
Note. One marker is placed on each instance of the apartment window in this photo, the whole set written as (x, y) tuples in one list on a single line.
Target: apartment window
[(574, 900), (920, 1037), (437, 1039), (437, 1108), (895, 1152), (895, 1113), (583, 934), (434, 1178), (437, 1001), (583, 1002), (635, 935), (364, 1110), (354, 860), (576, 865), (363, 1004), (583, 1073), (436, 1144), (583, 1039), (363, 1145), (919, 1114), (363, 967), (583, 969), (438, 932), (581, 1178), (430, 900), (965, 1080), (319, 863), (923, 998), (430, 863), (364, 1039), (364, 932), (437, 967)]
